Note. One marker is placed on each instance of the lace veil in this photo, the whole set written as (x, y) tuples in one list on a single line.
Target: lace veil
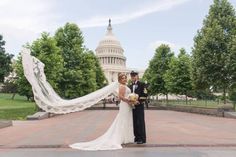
[(47, 99)]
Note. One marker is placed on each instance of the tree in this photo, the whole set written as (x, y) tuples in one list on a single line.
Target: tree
[(211, 51), (178, 77), (157, 68), (79, 75), (70, 68), (232, 69), (46, 51), (232, 95), (101, 80), (232, 63), (10, 85), (5, 61), (23, 86)]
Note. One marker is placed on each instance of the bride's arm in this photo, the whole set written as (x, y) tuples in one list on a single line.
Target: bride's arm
[(122, 94)]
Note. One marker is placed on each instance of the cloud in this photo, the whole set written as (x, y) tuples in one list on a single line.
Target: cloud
[(26, 14), (24, 20), (158, 6), (3, 2)]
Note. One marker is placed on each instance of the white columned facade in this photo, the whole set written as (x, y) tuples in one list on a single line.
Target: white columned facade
[(111, 56)]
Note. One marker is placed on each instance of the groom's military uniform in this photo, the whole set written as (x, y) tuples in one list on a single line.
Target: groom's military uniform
[(138, 112)]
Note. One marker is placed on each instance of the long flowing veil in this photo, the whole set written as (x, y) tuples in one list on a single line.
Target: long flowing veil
[(47, 99)]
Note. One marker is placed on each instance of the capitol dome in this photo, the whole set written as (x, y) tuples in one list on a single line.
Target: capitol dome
[(109, 51), (111, 56)]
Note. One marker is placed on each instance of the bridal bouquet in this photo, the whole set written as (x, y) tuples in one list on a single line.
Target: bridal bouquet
[(133, 98)]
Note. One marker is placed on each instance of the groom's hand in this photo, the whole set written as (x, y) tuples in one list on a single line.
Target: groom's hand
[(136, 102)]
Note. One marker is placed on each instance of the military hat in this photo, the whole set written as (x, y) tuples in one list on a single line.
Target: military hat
[(133, 73)]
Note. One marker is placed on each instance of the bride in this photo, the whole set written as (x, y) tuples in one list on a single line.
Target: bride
[(120, 131)]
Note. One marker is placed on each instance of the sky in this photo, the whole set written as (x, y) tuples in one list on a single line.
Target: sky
[(140, 25)]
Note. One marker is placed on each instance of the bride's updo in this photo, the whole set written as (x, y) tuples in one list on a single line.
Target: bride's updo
[(120, 76)]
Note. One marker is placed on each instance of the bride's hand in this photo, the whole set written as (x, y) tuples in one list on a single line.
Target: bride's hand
[(133, 102), (130, 102)]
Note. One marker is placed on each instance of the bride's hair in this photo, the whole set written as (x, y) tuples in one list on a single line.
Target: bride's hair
[(120, 75)]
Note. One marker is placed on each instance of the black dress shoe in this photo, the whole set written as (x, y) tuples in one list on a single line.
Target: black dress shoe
[(139, 142)]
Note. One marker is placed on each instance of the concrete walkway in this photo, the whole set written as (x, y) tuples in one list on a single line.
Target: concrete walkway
[(164, 129)]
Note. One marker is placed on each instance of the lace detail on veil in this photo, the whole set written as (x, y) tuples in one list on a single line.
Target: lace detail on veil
[(47, 99)]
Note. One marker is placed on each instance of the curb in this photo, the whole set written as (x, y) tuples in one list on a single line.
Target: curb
[(5, 123), (124, 146)]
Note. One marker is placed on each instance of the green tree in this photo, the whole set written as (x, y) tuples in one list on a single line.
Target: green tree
[(5, 61), (211, 51), (157, 68), (79, 75), (232, 69), (232, 62), (46, 50), (178, 77), (232, 95), (23, 86), (10, 85), (101, 80)]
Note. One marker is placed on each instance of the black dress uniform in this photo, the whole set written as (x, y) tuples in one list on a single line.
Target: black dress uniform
[(138, 112)]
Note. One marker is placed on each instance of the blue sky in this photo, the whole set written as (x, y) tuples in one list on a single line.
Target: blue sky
[(139, 25)]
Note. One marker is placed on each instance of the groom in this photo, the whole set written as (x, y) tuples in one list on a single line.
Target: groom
[(138, 112)]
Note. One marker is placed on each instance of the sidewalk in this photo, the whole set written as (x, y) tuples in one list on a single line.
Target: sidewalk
[(126, 152), (164, 129)]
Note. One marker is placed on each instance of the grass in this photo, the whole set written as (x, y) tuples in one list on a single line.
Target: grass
[(16, 109), (197, 103)]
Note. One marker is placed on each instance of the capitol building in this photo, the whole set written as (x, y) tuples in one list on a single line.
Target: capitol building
[(111, 56)]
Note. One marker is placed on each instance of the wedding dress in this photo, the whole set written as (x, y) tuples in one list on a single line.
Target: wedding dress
[(120, 131)]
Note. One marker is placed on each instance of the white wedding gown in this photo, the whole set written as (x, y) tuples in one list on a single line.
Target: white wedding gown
[(120, 131)]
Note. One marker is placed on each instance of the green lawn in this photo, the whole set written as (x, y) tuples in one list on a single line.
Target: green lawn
[(16, 109), (197, 103)]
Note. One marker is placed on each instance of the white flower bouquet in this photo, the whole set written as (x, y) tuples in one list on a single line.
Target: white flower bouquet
[(133, 98)]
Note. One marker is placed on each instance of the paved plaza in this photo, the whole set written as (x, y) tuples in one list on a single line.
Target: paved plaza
[(167, 132)]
